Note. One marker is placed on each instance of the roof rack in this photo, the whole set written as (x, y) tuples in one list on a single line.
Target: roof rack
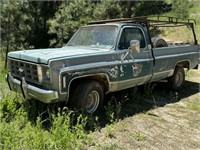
[(161, 21)]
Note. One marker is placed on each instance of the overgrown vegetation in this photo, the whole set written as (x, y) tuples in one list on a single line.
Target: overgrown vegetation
[(33, 125)]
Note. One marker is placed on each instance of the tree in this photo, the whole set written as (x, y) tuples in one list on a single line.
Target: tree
[(180, 8), (68, 18), (39, 13), (73, 14), (12, 21), (147, 8), (107, 9)]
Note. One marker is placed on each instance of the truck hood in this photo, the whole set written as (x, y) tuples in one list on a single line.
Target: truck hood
[(44, 55)]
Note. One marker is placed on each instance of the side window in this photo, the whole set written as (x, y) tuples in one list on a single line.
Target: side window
[(129, 34)]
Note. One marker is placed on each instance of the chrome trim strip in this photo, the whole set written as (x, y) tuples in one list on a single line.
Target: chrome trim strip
[(155, 75), (103, 64), (15, 59), (175, 55), (171, 71), (130, 81), (64, 82)]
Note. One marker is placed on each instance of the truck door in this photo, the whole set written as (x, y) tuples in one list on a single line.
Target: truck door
[(135, 69)]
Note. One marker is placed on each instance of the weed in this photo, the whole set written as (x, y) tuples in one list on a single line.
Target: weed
[(9, 107), (139, 136), (110, 112), (112, 146), (109, 131), (173, 96), (154, 100)]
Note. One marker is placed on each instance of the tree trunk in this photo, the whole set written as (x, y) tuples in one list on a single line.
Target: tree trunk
[(7, 41)]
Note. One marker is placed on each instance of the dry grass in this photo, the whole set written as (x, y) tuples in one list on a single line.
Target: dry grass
[(175, 125)]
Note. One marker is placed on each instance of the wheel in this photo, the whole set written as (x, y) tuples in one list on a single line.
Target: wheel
[(159, 42), (88, 96), (177, 81)]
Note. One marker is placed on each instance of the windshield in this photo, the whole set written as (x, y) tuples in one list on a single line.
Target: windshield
[(95, 36)]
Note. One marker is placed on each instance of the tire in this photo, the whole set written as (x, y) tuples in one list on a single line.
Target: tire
[(88, 96), (177, 81), (159, 42)]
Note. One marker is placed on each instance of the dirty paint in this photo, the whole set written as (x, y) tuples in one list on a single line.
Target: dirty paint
[(137, 68), (114, 72), (122, 71)]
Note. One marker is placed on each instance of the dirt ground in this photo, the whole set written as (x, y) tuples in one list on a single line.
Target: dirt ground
[(172, 126)]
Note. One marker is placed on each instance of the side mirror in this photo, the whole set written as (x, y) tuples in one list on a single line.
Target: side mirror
[(135, 46)]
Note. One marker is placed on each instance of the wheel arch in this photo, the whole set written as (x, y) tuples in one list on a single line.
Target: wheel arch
[(183, 63), (101, 78)]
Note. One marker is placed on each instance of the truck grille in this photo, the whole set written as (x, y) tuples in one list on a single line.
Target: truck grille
[(23, 69)]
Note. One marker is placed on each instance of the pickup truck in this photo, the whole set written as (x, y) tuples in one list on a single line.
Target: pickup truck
[(102, 57)]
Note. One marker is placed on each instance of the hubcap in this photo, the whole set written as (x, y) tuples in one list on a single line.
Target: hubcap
[(92, 101), (179, 79)]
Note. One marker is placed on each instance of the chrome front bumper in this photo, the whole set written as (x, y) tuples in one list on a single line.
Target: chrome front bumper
[(29, 91)]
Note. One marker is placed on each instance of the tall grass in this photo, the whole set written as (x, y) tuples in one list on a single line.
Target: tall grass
[(33, 125), (66, 130)]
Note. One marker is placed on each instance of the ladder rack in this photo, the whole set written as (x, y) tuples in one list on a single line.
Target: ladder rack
[(151, 20), (154, 21)]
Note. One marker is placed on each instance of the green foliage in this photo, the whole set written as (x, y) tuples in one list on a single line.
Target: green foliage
[(139, 136), (146, 8), (108, 9), (71, 15), (70, 136), (33, 125), (41, 24), (17, 132), (180, 8), (11, 24), (68, 18), (38, 14), (24, 24), (110, 112), (9, 108)]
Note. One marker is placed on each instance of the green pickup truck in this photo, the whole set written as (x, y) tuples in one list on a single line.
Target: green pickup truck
[(104, 56)]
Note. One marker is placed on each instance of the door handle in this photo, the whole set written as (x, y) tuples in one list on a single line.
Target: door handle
[(147, 51)]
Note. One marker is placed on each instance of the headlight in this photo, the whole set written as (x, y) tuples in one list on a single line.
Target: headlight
[(43, 74)]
